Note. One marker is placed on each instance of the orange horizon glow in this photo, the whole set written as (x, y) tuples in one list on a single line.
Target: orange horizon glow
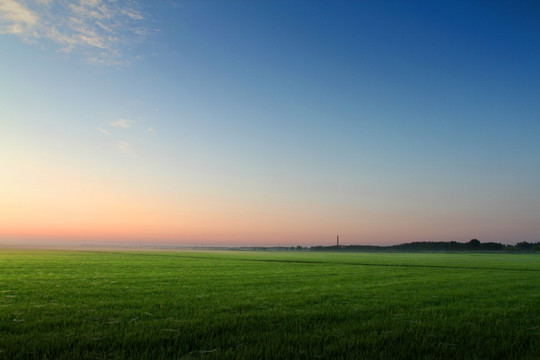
[(57, 203)]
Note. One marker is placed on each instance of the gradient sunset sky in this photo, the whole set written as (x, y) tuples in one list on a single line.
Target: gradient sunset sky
[(269, 122)]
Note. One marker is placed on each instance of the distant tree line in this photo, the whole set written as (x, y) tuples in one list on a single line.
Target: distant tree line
[(472, 245)]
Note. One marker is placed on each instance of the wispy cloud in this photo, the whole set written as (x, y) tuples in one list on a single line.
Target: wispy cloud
[(116, 129), (101, 30), (121, 123), (15, 18), (123, 146), (104, 131)]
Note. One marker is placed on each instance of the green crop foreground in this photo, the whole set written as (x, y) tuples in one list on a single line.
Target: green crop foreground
[(266, 305)]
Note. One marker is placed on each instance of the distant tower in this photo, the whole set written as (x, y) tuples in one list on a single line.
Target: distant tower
[(338, 241)]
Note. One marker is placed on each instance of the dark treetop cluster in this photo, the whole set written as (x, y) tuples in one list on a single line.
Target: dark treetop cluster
[(472, 245)]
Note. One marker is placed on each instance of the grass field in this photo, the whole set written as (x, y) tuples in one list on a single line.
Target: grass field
[(174, 305)]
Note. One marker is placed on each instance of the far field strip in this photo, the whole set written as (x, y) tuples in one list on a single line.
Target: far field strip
[(182, 254)]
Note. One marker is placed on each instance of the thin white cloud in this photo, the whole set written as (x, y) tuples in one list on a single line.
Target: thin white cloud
[(101, 30), (151, 130), (135, 15), (104, 131), (15, 18), (121, 123), (123, 146), (176, 3)]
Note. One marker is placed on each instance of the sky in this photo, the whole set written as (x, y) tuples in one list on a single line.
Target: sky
[(228, 123)]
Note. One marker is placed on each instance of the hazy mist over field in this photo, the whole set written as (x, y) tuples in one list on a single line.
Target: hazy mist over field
[(268, 123)]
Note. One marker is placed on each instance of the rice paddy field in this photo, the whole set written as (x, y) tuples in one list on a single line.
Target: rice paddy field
[(268, 305)]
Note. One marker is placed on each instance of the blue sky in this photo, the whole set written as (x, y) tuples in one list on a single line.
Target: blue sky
[(271, 122)]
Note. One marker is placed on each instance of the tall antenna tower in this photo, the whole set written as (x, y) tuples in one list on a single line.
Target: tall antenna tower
[(338, 241)]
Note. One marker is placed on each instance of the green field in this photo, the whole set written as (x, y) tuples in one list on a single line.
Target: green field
[(266, 305)]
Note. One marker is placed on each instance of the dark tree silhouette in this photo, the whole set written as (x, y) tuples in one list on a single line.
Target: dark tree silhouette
[(474, 244)]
